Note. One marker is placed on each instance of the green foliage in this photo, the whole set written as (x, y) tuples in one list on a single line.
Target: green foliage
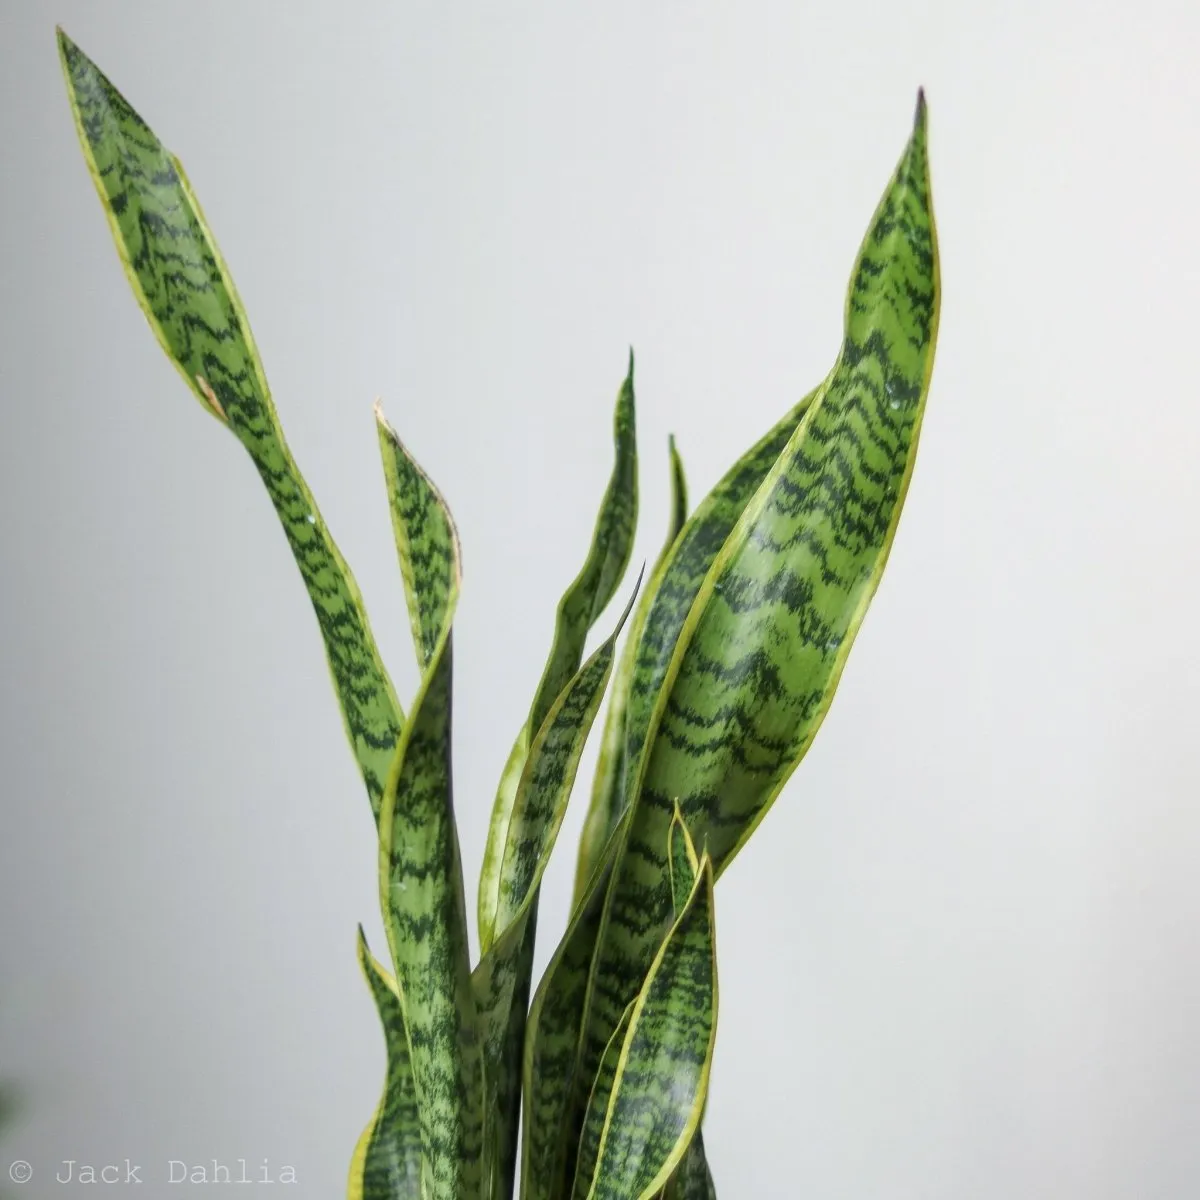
[(735, 646)]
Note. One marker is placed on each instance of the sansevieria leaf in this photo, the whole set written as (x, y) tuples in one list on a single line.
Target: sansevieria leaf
[(691, 1179), (597, 1109), (421, 885), (581, 604), (387, 1161), (552, 1042), (657, 1095), (756, 666), (657, 624), (183, 286), (502, 979), (426, 541), (607, 787)]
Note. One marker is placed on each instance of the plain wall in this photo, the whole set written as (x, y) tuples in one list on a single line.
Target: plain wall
[(961, 956)]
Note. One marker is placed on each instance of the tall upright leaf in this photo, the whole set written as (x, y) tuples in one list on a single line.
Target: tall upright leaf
[(580, 606), (691, 1179), (502, 979), (426, 540), (552, 1042), (183, 286), (605, 789), (764, 644), (657, 624), (661, 1080), (421, 885), (387, 1161), (597, 1108)]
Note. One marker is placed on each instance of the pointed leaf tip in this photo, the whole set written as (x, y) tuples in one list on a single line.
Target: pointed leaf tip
[(919, 115)]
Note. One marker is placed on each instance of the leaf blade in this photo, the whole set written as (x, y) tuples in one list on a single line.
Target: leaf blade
[(185, 291), (581, 604), (668, 598), (426, 540), (765, 641), (502, 979), (387, 1160), (424, 909), (661, 1079)]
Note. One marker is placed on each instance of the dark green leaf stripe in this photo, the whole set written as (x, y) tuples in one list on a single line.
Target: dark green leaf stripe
[(603, 811), (182, 284), (580, 606), (426, 540), (552, 1040), (502, 979), (662, 1074), (597, 1110), (658, 622), (508, 986), (692, 1179), (387, 1160), (421, 892), (764, 645)]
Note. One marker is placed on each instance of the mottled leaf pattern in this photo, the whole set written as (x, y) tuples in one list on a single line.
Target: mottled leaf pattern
[(424, 907), (604, 810), (734, 654), (662, 1075), (426, 540), (552, 1040), (182, 284), (597, 1110), (763, 648), (580, 606), (387, 1161), (502, 979), (691, 1179)]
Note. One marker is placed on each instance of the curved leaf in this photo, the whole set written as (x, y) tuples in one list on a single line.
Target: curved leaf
[(552, 1040), (185, 290), (659, 621), (421, 893), (593, 1126), (387, 1161), (581, 604), (502, 980), (691, 1179), (606, 788), (662, 1075), (426, 540), (765, 642)]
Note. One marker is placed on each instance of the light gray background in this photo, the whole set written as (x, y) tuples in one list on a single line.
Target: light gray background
[(961, 957)]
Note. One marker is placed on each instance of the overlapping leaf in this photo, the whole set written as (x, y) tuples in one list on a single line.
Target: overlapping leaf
[(601, 1094), (183, 286), (502, 979), (657, 624), (421, 886), (387, 1160), (580, 606), (604, 812), (552, 1041), (765, 641), (657, 1095), (691, 1179)]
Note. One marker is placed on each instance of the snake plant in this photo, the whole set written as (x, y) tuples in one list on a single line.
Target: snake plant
[(734, 645)]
